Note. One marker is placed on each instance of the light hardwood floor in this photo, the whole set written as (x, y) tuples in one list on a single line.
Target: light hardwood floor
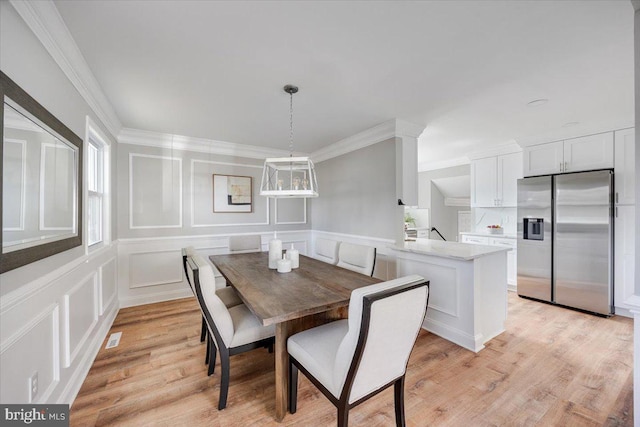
[(552, 367)]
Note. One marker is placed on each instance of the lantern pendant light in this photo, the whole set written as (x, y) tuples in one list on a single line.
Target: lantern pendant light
[(289, 176)]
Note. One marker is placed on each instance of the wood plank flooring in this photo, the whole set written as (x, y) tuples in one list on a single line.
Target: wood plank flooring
[(552, 367)]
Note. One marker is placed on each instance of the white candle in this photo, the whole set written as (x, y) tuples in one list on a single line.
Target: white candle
[(294, 256), (284, 265), (275, 251)]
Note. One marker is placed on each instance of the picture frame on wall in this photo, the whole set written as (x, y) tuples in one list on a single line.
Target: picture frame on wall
[(232, 194)]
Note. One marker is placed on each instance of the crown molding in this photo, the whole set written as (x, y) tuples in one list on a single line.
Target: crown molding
[(199, 145), (577, 132), (457, 201), (43, 18), (498, 150), (443, 164), (389, 129)]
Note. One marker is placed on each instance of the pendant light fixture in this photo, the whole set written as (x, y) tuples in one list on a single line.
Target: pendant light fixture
[(289, 176)]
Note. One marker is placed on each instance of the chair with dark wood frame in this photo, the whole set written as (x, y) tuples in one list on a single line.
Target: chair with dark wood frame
[(355, 359), (227, 295), (235, 330)]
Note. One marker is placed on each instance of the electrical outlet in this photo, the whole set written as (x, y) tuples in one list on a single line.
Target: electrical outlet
[(33, 386)]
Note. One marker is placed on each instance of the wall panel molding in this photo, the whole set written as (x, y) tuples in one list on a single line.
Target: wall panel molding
[(106, 276), (87, 285), (304, 213), (48, 379), (177, 222), (155, 267), (70, 391)]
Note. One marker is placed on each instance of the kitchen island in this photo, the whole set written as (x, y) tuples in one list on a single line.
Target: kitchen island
[(467, 291)]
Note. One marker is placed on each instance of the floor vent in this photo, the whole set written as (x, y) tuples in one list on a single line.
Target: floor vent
[(114, 340)]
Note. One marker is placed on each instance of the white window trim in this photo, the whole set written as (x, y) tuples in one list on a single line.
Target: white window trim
[(94, 133)]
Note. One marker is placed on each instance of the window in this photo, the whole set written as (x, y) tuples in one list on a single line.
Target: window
[(97, 202), (96, 194)]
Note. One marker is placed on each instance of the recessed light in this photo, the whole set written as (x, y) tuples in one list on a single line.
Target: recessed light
[(537, 102), (567, 125)]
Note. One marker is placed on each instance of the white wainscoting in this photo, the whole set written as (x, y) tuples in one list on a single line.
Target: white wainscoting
[(150, 269), (385, 268), (53, 326), (20, 358), (79, 316)]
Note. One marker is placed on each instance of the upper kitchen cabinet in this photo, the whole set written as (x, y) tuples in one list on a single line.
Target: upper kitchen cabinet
[(571, 155), (588, 152), (543, 159), (494, 180), (624, 167)]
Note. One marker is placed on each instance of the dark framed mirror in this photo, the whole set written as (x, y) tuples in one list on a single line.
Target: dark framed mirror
[(41, 192)]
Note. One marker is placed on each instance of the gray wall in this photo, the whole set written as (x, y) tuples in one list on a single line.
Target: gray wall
[(26, 62), (358, 193), (196, 203)]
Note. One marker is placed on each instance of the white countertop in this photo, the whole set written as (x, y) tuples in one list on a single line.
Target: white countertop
[(454, 250), (485, 234)]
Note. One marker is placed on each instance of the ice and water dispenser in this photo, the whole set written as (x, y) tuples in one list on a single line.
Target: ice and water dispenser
[(533, 229)]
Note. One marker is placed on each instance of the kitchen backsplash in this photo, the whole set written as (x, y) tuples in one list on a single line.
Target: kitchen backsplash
[(505, 217)]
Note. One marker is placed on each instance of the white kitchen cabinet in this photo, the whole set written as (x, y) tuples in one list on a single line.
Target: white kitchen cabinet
[(624, 167), (512, 258), (588, 152), (495, 180), (484, 177), (624, 264), (509, 172), (571, 155), (543, 159)]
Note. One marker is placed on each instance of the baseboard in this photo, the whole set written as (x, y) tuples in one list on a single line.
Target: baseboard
[(72, 388), (155, 297), (454, 335), (624, 312)]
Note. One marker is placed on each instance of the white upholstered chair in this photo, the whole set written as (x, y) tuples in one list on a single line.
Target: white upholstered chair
[(358, 258), (226, 293), (351, 360), (245, 244), (235, 329), (327, 250)]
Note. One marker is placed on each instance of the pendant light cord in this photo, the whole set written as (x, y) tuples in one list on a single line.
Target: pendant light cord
[(291, 124)]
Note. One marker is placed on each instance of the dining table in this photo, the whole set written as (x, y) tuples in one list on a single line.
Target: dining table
[(310, 295)]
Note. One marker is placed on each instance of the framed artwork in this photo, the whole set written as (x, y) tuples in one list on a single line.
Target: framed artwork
[(232, 193)]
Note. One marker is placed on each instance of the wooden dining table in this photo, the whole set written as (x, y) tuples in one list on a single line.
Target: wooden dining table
[(308, 296)]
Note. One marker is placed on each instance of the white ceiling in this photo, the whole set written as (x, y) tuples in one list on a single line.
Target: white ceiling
[(463, 69)]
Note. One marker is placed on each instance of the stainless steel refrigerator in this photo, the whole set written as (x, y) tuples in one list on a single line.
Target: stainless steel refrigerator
[(565, 240)]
